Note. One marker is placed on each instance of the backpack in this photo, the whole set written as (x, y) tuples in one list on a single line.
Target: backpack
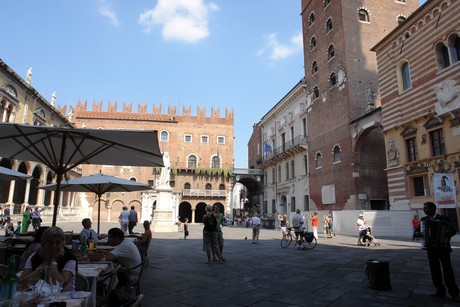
[(295, 222)]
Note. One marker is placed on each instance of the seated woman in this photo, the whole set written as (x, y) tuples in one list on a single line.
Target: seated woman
[(32, 247), (52, 254), (144, 242)]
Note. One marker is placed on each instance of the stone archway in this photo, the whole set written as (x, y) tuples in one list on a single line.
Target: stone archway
[(34, 183), (200, 211), (185, 211)]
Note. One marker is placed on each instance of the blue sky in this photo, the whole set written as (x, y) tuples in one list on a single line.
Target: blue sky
[(243, 55)]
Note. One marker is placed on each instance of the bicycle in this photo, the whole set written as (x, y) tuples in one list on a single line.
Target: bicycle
[(307, 238)]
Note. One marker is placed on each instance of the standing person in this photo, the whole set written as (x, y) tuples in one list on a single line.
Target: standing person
[(132, 221), (284, 224), (361, 223), (314, 224), (220, 235), (438, 252), (36, 218), (124, 220), (26, 219), (18, 228), (297, 224), (210, 243), (255, 229), (415, 227), (185, 228), (1, 217), (331, 226), (6, 215), (326, 226)]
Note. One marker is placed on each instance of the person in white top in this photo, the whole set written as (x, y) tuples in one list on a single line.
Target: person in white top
[(255, 229), (124, 220), (126, 254), (361, 226)]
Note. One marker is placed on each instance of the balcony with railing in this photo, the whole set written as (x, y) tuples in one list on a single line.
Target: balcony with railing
[(204, 193), (296, 145)]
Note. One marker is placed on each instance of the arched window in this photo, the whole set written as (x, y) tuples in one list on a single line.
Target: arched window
[(403, 75), (313, 43), (454, 46), (442, 56), (330, 52), (208, 187), (332, 80), (319, 160), (132, 179), (187, 186), (401, 20), (329, 25), (222, 187), (314, 67), (215, 162), (315, 92), (363, 15), (336, 153), (164, 136), (311, 19), (191, 161)]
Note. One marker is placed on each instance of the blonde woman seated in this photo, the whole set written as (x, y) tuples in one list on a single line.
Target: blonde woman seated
[(52, 256)]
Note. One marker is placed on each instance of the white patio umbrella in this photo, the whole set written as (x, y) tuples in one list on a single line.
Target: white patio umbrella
[(62, 149), (9, 174), (99, 184)]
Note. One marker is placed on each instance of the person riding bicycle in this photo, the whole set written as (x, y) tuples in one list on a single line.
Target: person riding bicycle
[(297, 225)]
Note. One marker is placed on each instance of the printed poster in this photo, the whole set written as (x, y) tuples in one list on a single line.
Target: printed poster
[(444, 190)]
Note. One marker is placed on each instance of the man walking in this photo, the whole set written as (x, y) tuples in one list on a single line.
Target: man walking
[(439, 250), (132, 219)]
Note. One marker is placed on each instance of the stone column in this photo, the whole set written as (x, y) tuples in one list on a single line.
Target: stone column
[(163, 215)]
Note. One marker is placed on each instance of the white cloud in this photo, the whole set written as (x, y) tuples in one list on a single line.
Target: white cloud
[(106, 11), (278, 51), (181, 20)]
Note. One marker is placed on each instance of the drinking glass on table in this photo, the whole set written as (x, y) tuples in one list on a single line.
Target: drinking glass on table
[(57, 287)]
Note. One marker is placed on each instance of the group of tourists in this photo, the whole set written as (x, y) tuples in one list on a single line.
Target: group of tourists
[(29, 217)]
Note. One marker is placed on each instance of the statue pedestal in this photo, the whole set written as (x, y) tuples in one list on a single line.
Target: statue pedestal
[(163, 215)]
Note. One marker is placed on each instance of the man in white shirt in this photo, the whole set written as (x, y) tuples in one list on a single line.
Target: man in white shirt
[(255, 229), (125, 253)]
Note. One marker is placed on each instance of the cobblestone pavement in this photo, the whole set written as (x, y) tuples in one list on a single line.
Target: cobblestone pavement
[(332, 274)]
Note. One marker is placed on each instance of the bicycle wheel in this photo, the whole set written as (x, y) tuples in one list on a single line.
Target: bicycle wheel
[(286, 241), (310, 245)]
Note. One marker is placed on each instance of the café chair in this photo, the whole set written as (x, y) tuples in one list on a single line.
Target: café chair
[(135, 284), (81, 283), (105, 285), (3, 270), (135, 302)]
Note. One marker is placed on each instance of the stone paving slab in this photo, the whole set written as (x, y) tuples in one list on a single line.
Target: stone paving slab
[(332, 274)]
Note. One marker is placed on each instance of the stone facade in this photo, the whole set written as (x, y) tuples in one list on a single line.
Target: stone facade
[(345, 139), (200, 148), (21, 103), (419, 74)]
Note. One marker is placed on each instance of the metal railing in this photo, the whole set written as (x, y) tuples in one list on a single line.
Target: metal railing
[(203, 193), (299, 140)]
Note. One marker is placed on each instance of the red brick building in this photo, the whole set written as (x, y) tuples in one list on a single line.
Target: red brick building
[(345, 140), (200, 148), (419, 77)]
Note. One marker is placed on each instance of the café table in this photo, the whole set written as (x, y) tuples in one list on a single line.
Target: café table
[(92, 270), (80, 299)]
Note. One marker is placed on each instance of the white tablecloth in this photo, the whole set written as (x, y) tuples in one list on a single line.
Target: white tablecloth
[(92, 270)]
